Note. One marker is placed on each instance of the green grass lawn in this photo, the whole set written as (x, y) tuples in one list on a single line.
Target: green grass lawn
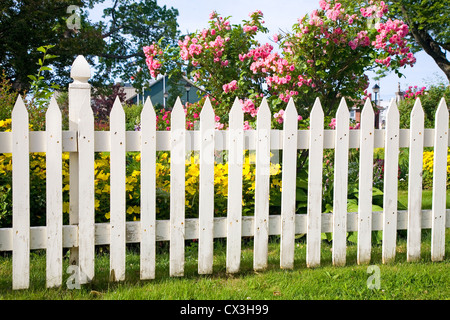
[(426, 198), (399, 280)]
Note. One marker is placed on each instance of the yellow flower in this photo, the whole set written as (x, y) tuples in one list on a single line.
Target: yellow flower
[(66, 207), (136, 173)]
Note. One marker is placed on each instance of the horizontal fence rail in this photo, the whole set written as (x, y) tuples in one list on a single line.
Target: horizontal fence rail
[(83, 234)]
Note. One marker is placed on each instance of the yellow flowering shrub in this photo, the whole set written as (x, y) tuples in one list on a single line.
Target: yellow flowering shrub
[(428, 163)]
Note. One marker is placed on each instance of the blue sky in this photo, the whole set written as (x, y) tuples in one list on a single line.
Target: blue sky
[(282, 14)]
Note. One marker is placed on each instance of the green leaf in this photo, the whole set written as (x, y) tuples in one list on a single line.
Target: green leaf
[(50, 56)]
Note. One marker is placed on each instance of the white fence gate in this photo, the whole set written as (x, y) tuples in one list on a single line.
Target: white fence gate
[(83, 234)]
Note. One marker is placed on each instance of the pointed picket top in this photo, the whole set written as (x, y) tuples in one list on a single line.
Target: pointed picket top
[(117, 109), (148, 107), (19, 109), (291, 110), (178, 109), (53, 114), (264, 111), (442, 111), (342, 111), (367, 109), (417, 110), (53, 106), (316, 109), (392, 111), (236, 111), (81, 71), (207, 111)]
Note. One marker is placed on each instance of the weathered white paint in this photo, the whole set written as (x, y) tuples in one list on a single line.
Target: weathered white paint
[(234, 201), (177, 189), (20, 196), (390, 184), (79, 98), (206, 190), (314, 210), (365, 183), (86, 192), (117, 193), (148, 191), (54, 214), (415, 182), (262, 187), (439, 182), (288, 195), (340, 185)]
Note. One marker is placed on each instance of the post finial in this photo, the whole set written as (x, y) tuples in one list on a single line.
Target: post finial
[(81, 71)]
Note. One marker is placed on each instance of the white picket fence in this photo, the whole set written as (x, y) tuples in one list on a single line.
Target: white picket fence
[(83, 234)]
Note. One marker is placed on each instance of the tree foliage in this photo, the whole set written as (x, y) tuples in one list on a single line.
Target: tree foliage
[(114, 45), (429, 22)]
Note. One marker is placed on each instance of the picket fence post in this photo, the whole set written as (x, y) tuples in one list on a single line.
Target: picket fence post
[(314, 208), (148, 191), (177, 189), (54, 198), (86, 193), (20, 195), (289, 179), (439, 182), (415, 182), (262, 187), (79, 97), (340, 184), (234, 201), (366, 143), (206, 190), (390, 183), (118, 193)]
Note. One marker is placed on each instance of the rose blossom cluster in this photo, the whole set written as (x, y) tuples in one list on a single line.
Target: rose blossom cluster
[(229, 87), (414, 92), (153, 64)]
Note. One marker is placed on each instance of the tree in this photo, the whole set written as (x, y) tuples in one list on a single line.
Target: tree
[(429, 22), (116, 44)]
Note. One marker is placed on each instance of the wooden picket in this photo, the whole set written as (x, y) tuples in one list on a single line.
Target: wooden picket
[(177, 189), (439, 182), (206, 190), (289, 179), (235, 163), (366, 141), (390, 183), (148, 191), (86, 192), (83, 234), (118, 193), (314, 210), (54, 195), (20, 195), (340, 184), (415, 182), (262, 176)]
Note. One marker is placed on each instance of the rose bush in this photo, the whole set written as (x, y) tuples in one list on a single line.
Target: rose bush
[(325, 55)]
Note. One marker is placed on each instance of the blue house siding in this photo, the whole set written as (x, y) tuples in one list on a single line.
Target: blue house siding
[(156, 93)]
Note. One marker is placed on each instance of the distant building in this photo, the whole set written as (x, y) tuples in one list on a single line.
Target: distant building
[(399, 95), (159, 91)]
